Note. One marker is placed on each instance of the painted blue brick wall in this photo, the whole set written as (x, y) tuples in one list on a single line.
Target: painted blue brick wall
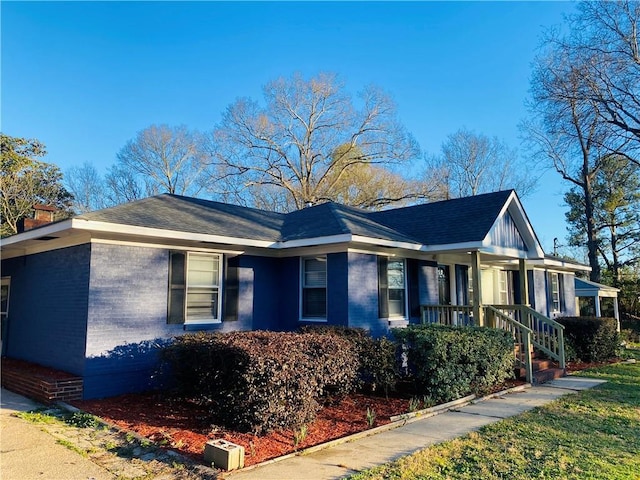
[(128, 316), (259, 290), (363, 294), (337, 289), (569, 295), (428, 284), (288, 289), (48, 307), (539, 299)]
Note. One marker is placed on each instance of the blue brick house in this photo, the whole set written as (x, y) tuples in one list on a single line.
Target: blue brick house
[(96, 294)]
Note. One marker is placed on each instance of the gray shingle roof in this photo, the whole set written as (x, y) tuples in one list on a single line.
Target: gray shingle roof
[(193, 215), (460, 220), (453, 221)]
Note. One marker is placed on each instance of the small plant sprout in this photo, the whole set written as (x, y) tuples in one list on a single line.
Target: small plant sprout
[(414, 404), (299, 435), (371, 417)]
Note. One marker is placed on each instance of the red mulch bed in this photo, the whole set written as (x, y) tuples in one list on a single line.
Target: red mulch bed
[(184, 426)]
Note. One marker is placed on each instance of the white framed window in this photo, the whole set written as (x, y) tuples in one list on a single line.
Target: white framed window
[(204, 277), (392, 288), (554, 286), (314, 288), (195, 281), (505, 287)]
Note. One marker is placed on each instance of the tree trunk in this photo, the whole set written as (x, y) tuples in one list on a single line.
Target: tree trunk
[(592, 240)]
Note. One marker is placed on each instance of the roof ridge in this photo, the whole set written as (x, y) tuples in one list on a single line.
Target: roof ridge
[(333, 206)]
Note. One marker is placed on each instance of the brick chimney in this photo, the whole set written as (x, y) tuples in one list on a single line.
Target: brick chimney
[(43, 214)]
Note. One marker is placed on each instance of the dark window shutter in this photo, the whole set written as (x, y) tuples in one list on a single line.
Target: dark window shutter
[(414, 287), (383, 288), (175, 309), (231, 289)]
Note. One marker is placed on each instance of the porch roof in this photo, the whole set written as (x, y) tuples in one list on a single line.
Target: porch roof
[(588, 288)]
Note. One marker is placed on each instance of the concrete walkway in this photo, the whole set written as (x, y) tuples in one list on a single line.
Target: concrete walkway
[(28, 453), (350, 457)]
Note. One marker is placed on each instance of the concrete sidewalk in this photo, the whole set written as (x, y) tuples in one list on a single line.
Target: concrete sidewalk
[(350, 457), (28, 453)]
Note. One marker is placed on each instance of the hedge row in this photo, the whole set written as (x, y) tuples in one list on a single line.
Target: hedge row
[(377, 365), (590, 339), (259, 381), (450, 362)]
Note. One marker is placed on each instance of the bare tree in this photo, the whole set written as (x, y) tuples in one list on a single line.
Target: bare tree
[(160, 159), (566, 129), (472, 163), (122, 185), (604, 42), (306, 138), (87, 187)]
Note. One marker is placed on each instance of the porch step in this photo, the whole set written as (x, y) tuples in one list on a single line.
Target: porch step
[(542, 375)]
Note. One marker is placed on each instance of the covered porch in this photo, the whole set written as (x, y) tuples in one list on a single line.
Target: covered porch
[(596, 300), (507, 290)]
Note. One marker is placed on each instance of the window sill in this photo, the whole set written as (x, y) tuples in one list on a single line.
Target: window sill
[(398, 322), (313, 320)]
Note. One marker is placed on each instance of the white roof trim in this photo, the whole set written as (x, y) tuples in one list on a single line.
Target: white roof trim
[(94, 226), (560, 263), (45, 231)]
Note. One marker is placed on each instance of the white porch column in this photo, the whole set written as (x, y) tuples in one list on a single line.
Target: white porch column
[(524, 281), (477, 286), (616, 312), (598, 311)]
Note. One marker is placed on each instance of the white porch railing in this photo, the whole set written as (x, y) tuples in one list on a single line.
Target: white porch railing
[(522, 338), (548, 335), (457, 315)]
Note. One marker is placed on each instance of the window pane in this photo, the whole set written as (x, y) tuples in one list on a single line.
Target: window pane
[(395, 274), (314, 302), (203, 269), (202, 304), (555, 292), (396, 303), (315, 272)]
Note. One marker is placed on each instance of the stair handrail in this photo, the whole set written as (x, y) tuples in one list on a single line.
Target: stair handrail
[(551, 344), (523, 336)]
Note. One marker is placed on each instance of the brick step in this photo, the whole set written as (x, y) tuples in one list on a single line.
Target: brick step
[(543, 375)]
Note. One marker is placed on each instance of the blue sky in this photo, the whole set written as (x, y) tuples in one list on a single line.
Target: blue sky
[(85, 77)]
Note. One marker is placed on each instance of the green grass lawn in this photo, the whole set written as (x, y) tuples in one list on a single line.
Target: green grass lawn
[(588, 435)]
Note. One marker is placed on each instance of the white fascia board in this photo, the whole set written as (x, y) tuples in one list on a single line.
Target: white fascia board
[(453, 247), (312, 242), (45, 231), (386, 243), (162, 233), (559, 263)]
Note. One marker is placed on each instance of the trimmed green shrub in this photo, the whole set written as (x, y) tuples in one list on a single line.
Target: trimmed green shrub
[(450, 362), (590, 339), (630, 325), (259, 381), (377, 360)]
